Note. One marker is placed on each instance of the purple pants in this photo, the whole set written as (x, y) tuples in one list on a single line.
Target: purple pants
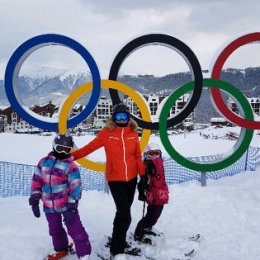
[(75, 230), (150, 219)]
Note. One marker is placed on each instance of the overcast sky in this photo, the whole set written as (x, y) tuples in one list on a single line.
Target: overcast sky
[(105, 26)]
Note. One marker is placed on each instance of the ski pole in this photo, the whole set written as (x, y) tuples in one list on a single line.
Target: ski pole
[(142, 226), (143, 209)]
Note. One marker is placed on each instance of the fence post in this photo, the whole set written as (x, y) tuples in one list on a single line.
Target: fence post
[(203, 179), (106, 187), (246, 162)]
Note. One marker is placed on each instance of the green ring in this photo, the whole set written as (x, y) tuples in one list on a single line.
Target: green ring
[(241, 145)]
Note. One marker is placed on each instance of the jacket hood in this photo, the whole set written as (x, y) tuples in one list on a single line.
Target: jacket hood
[(111, 125)]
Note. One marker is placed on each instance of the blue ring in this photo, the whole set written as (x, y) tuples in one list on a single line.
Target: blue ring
[(16, 61)]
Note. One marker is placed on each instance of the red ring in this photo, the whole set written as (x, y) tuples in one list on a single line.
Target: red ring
[(216, 71)]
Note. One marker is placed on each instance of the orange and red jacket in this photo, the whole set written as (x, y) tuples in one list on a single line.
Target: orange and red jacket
[(123, 154)]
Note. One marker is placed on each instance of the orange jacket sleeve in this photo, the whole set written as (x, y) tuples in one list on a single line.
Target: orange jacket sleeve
[(90, 147), (140, 164)]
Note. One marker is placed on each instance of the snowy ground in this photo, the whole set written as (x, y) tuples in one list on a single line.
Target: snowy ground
[(28, 149), (226, 213)]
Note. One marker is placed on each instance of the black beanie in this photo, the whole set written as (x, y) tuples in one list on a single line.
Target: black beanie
[(120, 108)]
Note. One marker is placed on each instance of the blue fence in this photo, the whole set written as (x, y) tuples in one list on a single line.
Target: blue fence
[(15, 179)]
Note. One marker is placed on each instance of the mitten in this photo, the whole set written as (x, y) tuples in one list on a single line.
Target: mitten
[(142, 187), (69, 215), (35, 207), (150, 168)]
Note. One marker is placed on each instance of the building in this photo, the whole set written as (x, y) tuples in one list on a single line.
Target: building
[(102, 112), (11, 122), (254, 102), (219, 121), (155, 104), (3, 122), (14, 124), (46, 110)]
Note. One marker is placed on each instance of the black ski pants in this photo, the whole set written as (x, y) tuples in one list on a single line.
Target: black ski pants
[(150, 219), (123, 194)]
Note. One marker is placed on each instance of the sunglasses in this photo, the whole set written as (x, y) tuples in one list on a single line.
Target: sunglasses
[(154, 153), (62, 148), (121, 116)]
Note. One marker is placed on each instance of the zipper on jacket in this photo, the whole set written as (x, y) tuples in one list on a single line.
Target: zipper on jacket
[(122, 136), (51, 185)]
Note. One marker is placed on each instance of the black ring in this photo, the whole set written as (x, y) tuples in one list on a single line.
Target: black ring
[(183, 50)]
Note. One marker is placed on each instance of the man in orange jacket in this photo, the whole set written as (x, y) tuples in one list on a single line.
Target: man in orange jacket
[(124, 162)]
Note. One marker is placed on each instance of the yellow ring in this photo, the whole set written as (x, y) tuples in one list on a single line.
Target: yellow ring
[(83, 89)]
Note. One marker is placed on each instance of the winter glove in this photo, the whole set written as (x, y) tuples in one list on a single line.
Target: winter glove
[(69, 215), (35, 207), (142, 187), (150, 168)]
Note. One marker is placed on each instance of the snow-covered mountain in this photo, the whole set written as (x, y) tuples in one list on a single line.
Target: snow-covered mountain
[(51, 84), (46, 84)]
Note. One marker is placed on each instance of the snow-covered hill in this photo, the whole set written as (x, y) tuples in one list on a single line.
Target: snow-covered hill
[(226, 212), (45, 84)]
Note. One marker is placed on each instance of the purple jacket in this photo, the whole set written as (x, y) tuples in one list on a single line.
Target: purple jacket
[(56, 182)]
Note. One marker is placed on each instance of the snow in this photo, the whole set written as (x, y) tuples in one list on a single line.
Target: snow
[(74, 73), (218, 119), (43, 72), (28, 149), (226, 212), (3, 107)]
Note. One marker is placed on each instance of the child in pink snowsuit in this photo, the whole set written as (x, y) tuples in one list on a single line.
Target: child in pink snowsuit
[(152, 189), (56, 181)]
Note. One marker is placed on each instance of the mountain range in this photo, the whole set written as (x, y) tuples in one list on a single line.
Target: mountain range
[(56, 86)]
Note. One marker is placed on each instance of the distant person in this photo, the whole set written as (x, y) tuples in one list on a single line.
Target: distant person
[(57, 183), (153, 190), (123, 163)]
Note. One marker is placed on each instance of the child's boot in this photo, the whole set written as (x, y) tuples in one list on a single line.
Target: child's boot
[(142, 239), (57, 255)]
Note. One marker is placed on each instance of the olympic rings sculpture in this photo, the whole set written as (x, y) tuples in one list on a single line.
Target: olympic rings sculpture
[(248, 124), (12, 70), (108, 84)]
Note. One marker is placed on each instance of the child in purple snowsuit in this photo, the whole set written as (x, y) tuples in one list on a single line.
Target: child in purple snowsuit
[(56, 181), (153, 190)]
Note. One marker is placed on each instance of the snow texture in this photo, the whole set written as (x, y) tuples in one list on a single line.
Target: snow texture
[(226, 212)]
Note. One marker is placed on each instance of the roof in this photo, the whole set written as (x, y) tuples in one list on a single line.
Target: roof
[(218, 119)]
